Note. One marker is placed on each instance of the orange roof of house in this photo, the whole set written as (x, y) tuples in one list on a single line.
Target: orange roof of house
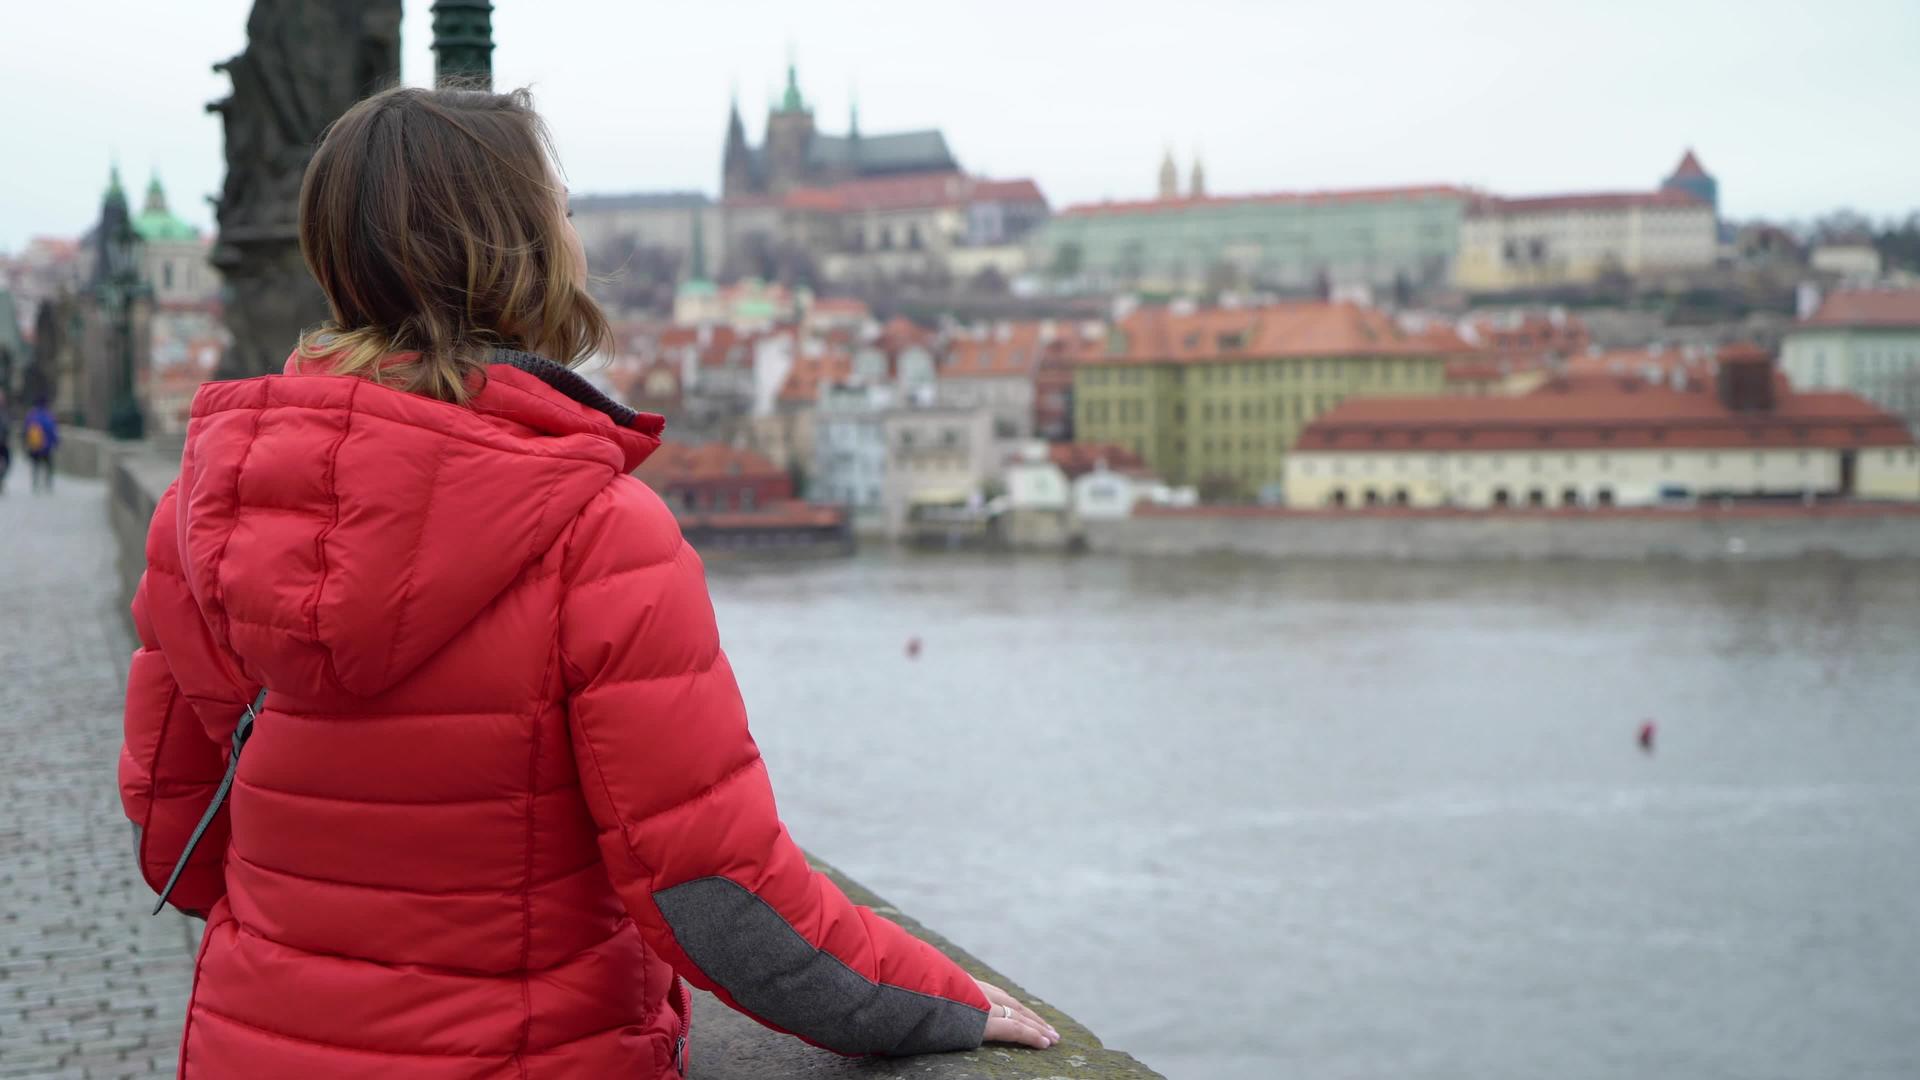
[(808, 372), (1078, 459), (900, 332), (1012, 348), (681, 462), (1621, 415), (841, 305), (1307, 329), (1308, 198), (1891, 308), (914, 192), (1671, 199)]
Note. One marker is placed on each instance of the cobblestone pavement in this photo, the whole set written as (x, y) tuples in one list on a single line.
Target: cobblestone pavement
[(90, 985)]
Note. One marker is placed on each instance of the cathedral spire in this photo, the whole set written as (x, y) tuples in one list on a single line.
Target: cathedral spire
[(1197, 184), (791, 101), (1169, 177)]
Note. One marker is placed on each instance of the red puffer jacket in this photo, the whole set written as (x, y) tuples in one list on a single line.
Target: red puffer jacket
[(502, 792)]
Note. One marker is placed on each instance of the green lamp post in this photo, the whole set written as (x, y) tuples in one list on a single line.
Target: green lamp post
[(463, 42)]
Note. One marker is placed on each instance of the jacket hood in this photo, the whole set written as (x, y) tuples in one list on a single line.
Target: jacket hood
[(337, 533)]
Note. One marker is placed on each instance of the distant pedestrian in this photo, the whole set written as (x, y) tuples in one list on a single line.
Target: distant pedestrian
[(41, 438), (6, 447), (1647, 733)]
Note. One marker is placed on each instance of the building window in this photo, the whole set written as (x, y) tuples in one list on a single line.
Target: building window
[(1570, 496), (1604, 496), (746, 498), (1501, 497)]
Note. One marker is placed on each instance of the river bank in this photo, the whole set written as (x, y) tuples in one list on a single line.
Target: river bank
[(1848, 531)]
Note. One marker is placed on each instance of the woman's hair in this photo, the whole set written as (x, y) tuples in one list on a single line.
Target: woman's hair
[(433, 221)]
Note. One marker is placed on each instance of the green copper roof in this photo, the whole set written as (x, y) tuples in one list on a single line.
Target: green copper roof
[(792, 101), (155, 222), (114, 191)]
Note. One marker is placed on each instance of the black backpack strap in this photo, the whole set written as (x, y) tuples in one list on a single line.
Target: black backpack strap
[(241, 732)]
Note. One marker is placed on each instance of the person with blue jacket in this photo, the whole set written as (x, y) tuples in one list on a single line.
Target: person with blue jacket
[(41, 437)]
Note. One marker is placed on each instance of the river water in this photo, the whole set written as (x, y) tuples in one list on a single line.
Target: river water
[(1250, 820)]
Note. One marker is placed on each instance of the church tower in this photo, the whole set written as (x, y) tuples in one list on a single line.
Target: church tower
[(737, 173), (1169, 177), (1197, 185), (789, 138), (1691, 177)]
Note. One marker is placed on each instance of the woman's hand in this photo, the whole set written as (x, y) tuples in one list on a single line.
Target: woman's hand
[(1011, 1022)]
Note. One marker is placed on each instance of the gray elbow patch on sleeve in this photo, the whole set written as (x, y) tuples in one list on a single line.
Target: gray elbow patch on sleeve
[(749, 950)]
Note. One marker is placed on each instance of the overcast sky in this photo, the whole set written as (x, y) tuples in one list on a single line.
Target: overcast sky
[(1797, 107)]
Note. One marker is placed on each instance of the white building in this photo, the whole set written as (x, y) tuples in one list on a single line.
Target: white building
[(1104, 494), (1035, 482), (850, 449), (1576, 239), (1865, 341), (937, 459), (1855, 261)]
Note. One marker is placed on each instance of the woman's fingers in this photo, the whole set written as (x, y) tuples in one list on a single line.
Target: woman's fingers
[(1010, 1020), (1017, 1030)]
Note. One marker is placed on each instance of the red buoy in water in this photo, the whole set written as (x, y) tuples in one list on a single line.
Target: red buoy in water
[(1646, 736)]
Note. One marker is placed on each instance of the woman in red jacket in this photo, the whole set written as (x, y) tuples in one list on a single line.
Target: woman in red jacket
[(502, 797)]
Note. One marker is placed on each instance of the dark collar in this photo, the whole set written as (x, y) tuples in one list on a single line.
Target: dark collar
[(567, 381)]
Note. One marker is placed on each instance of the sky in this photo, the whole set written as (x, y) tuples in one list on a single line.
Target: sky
[(1797, 107)]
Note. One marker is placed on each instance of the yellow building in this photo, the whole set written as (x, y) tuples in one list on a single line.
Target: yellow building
[(1604, 440), (1215, 398)]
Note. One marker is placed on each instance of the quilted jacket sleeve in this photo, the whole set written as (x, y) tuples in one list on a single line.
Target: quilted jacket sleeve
[(686, 814), (179, 680)]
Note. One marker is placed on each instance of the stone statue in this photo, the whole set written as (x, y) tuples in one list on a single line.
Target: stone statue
[(305, 62)]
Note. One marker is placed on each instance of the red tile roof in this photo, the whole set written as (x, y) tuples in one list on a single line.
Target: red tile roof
[(1308, 329), (1011, 348), (900, 332), (1610, 414), (803, 381), (1689, 167), (1078, 459), (1528, 332), (841, 306), (1891, 308), (1308, 198), (1670, 199), (915, 192), (1007, 191), (682, 463)]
